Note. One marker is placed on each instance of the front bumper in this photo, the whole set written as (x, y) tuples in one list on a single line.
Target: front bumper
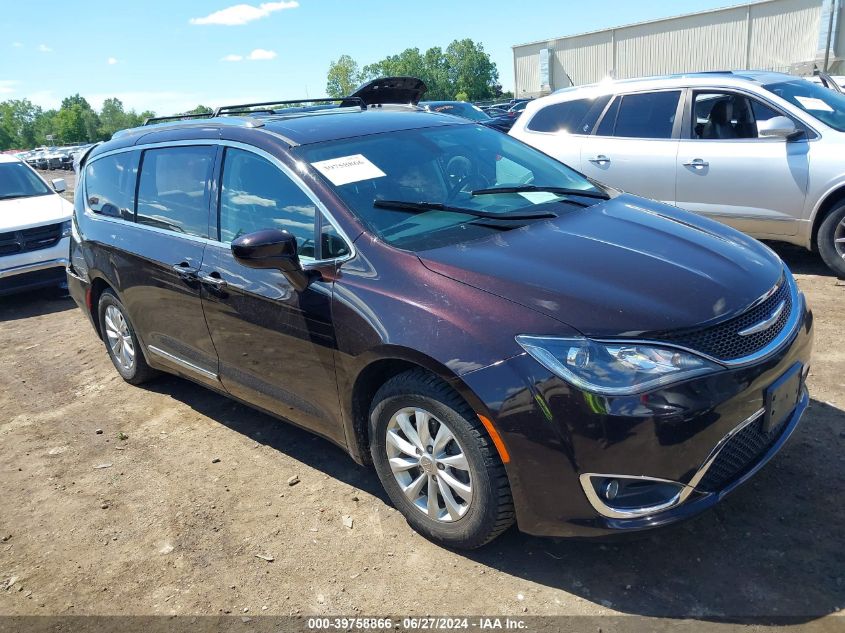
[(34, 269), (556, 433)]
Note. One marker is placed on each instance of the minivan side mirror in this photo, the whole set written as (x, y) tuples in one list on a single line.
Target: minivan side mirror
[(58, 185), (777, 127), (272, 249)]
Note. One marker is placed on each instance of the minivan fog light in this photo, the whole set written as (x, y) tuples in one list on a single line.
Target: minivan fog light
[(620, 496)]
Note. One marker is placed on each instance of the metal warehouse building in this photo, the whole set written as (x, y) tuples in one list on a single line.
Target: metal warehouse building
[(765, 35)]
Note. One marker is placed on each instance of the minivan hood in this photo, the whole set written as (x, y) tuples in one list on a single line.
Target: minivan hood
[(622, 267), (24, 213)]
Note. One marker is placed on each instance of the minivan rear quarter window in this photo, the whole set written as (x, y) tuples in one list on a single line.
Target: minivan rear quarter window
[(173, 188), (645, 115), (575, 117), (110, 185)]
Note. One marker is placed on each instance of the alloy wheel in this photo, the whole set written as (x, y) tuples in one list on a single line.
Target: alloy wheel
[(839, 239), (429, 464), (119, 338)]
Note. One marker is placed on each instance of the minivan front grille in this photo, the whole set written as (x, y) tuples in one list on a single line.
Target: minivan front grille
[(740, 454), (33, 239), (724, 342)]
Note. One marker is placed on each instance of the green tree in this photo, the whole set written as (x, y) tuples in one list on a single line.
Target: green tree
[(17, 121), (112, 118), (71, 124), (471, 71), (200, 109), (343, 77)]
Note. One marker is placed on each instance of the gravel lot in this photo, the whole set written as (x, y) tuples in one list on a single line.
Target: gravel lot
[(114, 502)]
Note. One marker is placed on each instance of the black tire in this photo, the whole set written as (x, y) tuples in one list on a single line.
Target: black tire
[(490, 511), (138, 371), (826, 241)]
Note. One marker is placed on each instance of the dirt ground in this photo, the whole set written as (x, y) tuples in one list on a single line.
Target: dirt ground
[(170, 499)]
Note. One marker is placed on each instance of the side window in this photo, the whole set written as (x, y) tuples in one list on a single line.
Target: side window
[(110, 185), (728, 115), (332, 244), (647, 115), (575, 117), (173, 188), (608, 121), (256, 195)]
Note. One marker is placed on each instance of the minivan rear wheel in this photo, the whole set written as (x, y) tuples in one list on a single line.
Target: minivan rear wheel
[(437, 463), (831, 240), (121, 341)]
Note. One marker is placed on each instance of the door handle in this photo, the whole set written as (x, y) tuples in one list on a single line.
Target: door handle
[(601, 159), (185, 271), (697, 163), (214, 280)]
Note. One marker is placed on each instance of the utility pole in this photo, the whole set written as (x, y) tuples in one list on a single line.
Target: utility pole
[(829, 34)]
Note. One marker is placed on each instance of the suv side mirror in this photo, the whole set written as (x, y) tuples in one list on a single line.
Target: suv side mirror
[(58, 185), (778, 127), (272, 249)]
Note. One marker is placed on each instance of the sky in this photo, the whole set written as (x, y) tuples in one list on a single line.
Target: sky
[(171, 55)]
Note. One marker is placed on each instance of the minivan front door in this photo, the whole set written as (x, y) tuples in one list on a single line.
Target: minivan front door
[(725, 171), (275, 345), (634, 147)]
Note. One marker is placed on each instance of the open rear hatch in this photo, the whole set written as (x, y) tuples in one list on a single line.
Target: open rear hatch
[(399, 90)]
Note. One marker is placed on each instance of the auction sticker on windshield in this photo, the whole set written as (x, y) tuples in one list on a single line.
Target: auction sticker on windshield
[(346, 169)]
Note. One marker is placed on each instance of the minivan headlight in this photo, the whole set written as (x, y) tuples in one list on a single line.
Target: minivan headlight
[(614, 369)]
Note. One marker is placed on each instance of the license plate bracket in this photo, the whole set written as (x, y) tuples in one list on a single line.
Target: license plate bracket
[(781, 397)]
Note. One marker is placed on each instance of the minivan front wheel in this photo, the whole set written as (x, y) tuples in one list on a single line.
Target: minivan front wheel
[(831, 240), (437, 463), (121, 341)]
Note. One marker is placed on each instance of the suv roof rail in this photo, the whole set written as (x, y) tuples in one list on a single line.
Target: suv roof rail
[(264, 106), (177, 117)]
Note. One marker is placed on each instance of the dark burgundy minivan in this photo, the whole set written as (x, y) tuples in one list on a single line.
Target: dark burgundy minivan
[(502, 338)]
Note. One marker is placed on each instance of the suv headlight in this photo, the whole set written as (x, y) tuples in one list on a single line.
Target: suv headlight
[(67, 227), (614, 369)]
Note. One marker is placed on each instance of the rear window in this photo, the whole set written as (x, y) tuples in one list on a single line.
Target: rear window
[(173, 189), (643, 115), (573, 117), (110, 185)]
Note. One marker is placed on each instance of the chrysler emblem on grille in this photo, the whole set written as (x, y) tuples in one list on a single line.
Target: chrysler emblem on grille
[(764, 324)]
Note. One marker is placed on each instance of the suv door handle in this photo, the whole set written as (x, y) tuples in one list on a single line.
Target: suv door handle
[(185, 271), (601, 159), (214, 280), (696, 163)]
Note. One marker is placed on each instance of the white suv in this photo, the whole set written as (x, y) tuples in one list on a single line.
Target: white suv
[(35, 227), (759, 151)]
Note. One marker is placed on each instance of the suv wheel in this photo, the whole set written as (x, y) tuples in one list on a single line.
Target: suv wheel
[(121, 341), (831, 240), (437, 463)]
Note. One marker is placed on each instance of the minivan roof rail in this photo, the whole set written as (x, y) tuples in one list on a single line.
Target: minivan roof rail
[(176, 117), (264, 106)]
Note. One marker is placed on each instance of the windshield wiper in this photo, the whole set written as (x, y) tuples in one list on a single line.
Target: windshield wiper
[(421, 207), (529, 188)]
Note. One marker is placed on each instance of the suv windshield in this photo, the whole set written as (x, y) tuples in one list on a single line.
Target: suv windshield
[(821, 103), (19, 181), (445, 175)]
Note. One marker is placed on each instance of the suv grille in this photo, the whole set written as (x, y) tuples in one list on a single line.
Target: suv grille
[(723, 341), (30, 239), (739, 454)]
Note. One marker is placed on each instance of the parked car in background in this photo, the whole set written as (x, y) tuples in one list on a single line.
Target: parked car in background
[(759, 151), (502, 338), (504, 122), (34, 228), (457, 108)]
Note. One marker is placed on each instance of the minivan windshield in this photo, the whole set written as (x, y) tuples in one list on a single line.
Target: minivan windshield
[(424, 188), (19, 181), (819, 102)]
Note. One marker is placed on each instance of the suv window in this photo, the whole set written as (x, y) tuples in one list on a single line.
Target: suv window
[(643, 115), (110, 185), (257, 195), (173, 188), (575, 117), (728, 115)]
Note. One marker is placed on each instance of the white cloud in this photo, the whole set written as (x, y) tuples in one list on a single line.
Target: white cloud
[(17, 44), (111, 61), (261, 53), (239, 14), (7, 86), (232, 58), (44, 48)]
